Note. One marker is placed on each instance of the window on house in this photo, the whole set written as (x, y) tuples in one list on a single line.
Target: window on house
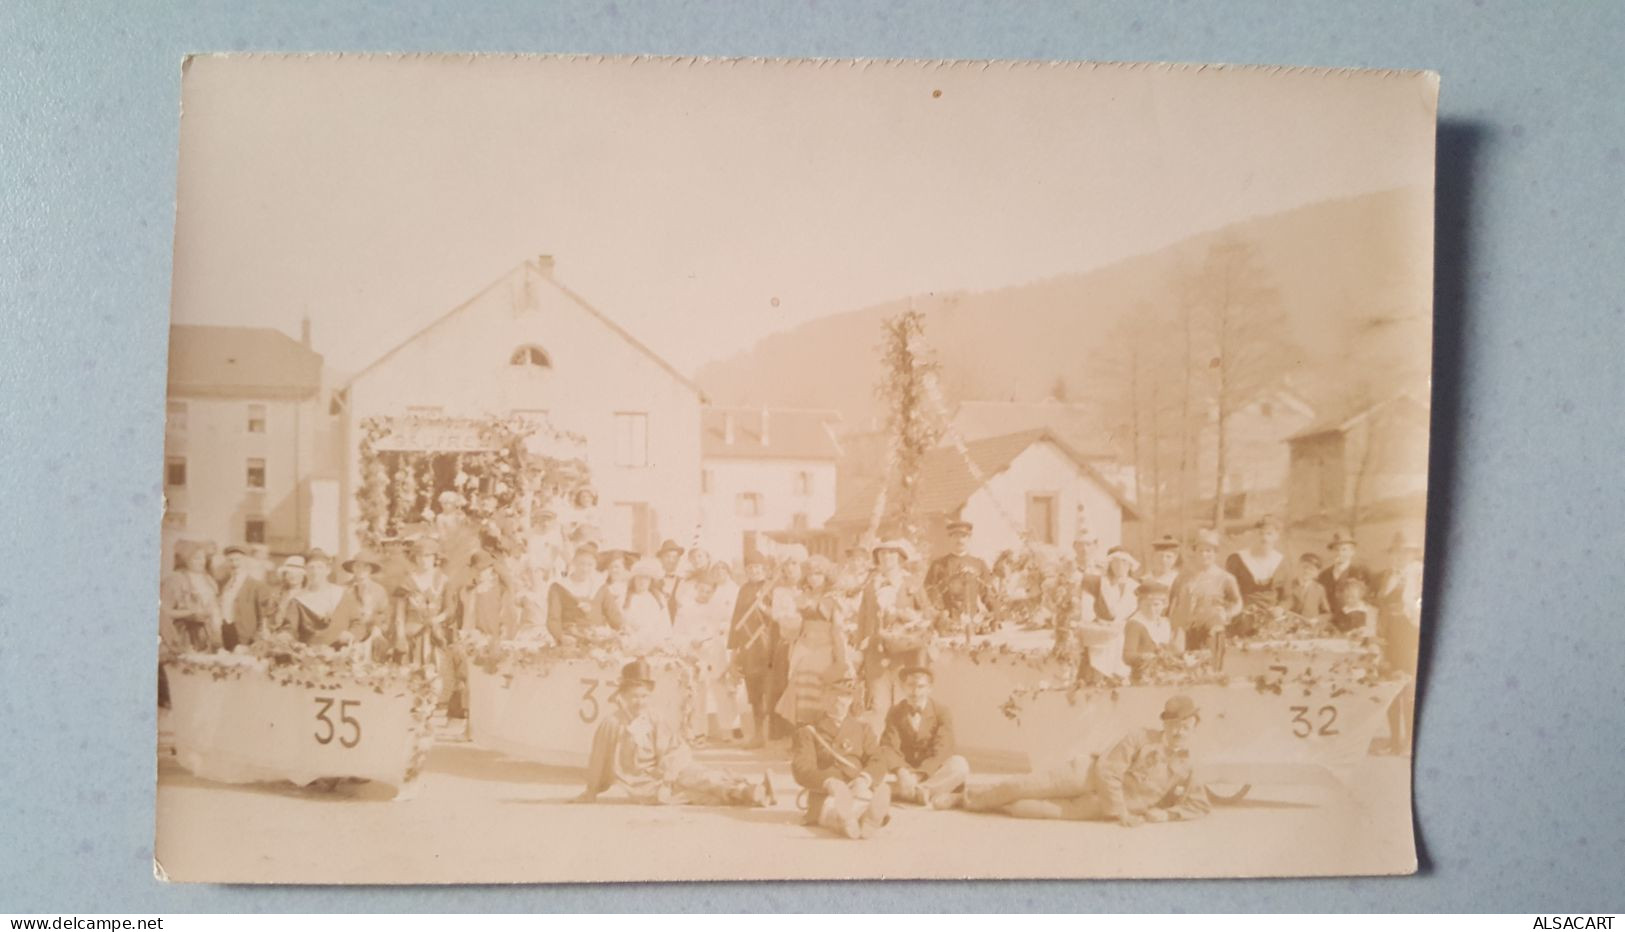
[(175, 520), (254, 530), (256, 473), (531, 355), (176, 414), (175, 472), (798, 522), (1041, 518), (748, 505), (804, 482), (705, 481), (256, 419), (337, 404), (631, 439)]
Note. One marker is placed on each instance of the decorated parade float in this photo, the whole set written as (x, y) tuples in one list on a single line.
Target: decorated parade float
[(1294, 710), (281, 712), (543, 702)]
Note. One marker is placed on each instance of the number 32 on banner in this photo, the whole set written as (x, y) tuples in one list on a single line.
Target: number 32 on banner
[(1303, 726), (352, 725)]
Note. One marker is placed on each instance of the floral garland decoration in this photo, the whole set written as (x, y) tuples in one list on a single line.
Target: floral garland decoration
[(904, 388)]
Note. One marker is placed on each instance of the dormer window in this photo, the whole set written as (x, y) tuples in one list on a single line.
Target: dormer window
[(531, 355)]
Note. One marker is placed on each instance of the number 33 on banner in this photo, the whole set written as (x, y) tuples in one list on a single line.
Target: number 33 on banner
[(1303, 724), (352, 725)]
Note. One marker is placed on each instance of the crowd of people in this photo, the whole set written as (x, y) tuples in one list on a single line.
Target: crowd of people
[(802, 647)]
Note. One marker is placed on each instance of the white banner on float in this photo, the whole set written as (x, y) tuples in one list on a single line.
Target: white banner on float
[(548, 715), (248, 728)]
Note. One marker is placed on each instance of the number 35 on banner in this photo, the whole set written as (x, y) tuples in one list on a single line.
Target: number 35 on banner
[(347, 729)]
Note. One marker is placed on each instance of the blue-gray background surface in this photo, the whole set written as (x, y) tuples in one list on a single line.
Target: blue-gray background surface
[(1519, 800)]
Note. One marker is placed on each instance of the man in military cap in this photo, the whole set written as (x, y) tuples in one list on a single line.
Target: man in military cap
[(1164, 566), (1145, 777), (839, 761), (638, 752), (956, 583)]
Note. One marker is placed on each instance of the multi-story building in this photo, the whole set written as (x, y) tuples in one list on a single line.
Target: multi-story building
[(763, 471), (241, 436)]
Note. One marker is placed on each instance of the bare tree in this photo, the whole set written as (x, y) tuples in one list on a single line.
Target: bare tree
[(1237, 317)]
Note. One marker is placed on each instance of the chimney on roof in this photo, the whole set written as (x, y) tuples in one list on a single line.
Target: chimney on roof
[(765, 439), (304, 331), (728, 428), (544, 264)]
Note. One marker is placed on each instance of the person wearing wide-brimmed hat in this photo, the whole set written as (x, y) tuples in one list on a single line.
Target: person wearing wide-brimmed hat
[(1343, 565), (643, 611), (894, 622), (639, 753), (1204, 599), (573, 606), (957, 582), (1146, 777), (838, 761), (423, 601), (363, 605)]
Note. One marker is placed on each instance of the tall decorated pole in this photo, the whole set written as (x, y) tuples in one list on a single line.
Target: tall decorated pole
[(912, 426)]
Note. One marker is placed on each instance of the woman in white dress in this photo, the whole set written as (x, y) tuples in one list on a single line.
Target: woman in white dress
[(1115, 600), (647, 625)]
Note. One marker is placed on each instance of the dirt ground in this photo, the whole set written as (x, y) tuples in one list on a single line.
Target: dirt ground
[(479, 816)]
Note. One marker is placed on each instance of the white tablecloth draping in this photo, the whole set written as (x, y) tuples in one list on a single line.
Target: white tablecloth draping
[(549, 715), (246, 727)]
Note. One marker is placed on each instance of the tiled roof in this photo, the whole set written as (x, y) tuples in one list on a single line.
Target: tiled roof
[(789, 434), (241, 362), (946, 481), (1076, 425)]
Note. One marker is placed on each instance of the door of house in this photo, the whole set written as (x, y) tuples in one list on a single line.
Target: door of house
[(1041, 517), (633, 527)]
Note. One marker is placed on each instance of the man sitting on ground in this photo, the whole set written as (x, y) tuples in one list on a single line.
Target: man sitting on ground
[(639, 752), (1145, 777), (839, 762), (918, 745)]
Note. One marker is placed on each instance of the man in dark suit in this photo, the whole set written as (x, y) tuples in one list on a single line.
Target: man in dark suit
[(751, 640), (956, 583), (918, 745), (839, 762), (1342, 566), (671, 581)]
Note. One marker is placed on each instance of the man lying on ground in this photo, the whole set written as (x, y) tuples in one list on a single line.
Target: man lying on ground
[(1145, 777), (639, 752)]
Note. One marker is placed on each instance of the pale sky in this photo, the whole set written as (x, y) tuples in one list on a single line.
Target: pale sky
[(706, 205)]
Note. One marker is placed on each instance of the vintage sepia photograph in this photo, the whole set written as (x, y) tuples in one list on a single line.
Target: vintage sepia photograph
[(629, 469)]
